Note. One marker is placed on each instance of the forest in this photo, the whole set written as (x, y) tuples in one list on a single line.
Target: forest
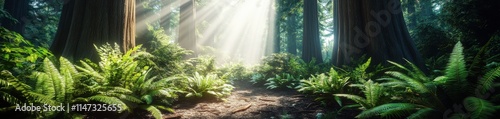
[(286, 59)]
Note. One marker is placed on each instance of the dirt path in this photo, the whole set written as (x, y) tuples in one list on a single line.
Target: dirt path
[(248, 101)]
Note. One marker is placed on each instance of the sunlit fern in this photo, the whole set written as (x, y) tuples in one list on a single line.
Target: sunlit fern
[(59, 85), (373, 95), (198, 85), (130, 82)]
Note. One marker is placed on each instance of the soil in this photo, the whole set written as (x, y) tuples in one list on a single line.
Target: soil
[(248, 101)]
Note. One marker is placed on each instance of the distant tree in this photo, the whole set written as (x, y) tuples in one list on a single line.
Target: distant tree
[(375, 28), (291, 24), (84, 23), (18, 9), (311, 47), (187, 27)]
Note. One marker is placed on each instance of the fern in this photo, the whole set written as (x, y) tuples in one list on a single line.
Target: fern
[(479, 108), (397, 110), (153, 110), (373, 93), (456, 74), (211, 84), (486, 83)]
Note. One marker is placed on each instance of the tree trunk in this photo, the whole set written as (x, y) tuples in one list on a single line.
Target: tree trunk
[(187, 27), (270, 44), (18, 9), (374, 28), (84, 23), (292, 34), (311, 47), (277, 31)]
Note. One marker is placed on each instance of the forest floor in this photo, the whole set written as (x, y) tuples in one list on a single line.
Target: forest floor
[(249, 101)]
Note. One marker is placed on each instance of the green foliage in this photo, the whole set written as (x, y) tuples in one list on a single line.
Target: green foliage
[(417, 96), (202, 64), (122, 71), (167, 56), (200, 85), (235, 71), (278, 64), (59, 85), (374, 95), (479, 108), (282, 81), (17, 54), (324, 86)]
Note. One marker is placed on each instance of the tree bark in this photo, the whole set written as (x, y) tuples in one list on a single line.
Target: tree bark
[(187, 27), (84, 23), (18, 9), (311, 47), (374, 28), (292, 34)]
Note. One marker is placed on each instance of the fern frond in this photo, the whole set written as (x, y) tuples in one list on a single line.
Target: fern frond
[(153, 110), (456, 73), (9, 98), (358, 99), (486, 83), (388, 110), (421, 113), (479, 108), (417, 85)]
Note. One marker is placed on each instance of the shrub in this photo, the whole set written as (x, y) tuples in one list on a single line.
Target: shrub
[(278, 64), (18, 55), (200, 85), (282, 81), (122, 71), (325, 85)]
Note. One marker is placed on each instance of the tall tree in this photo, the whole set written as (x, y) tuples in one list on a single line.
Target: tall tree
[(18, 9), (311, 47), (291, 32), (374, 28), (84, 23), (187, 27)]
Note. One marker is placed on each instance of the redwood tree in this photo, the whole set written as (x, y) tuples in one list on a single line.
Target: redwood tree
[(311, 47), (84, 23), (187, 27), (374, 28)]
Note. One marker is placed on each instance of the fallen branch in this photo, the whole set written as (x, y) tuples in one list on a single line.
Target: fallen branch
[(242, 108), (269, 100)]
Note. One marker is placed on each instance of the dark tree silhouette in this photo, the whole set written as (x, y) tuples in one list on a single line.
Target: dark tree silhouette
[(311, 47), (84, 23), (375, 28)]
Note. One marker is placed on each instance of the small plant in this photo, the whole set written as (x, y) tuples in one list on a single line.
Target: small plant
[(374, 95), (283, 81), (199, 85), (325, 85)]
